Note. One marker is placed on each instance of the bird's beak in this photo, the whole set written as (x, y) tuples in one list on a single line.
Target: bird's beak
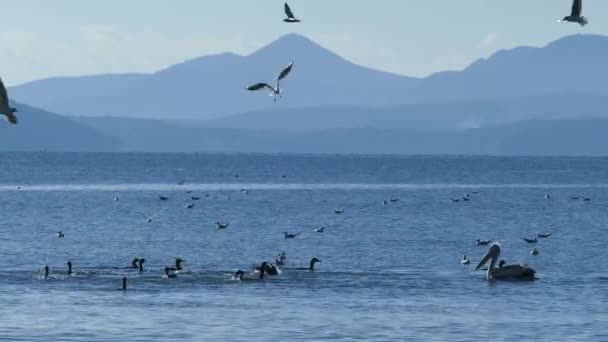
[(483, 261)]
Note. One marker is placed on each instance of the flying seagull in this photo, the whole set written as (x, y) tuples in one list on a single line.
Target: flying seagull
[(575, 16), (5, 109), (290, 17), (273, 91)]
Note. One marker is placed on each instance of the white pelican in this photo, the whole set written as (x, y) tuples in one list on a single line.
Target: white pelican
[(534, 251), (290, 17), (575, 16), (5, 109), (507, 272), (464, 260), (273, 91)]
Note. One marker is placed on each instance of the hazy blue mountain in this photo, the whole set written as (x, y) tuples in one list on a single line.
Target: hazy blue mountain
[(213, 86), (572, 137), (435, 116), (39, 130)]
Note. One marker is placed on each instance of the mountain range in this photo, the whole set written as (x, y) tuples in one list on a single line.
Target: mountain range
[(332, 105)]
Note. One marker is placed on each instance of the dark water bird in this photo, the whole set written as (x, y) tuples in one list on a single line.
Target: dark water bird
[(543, 235), (220, 225), (46, 272), (548, 196), (464, 260), (163, 198), (455, 199), (396, 199), (190, 206), (311, 266), (236, 176), (290, 17), (178, 265), (534, 240), (5, 108), (290, 236), (384, 202), (168, 273), (534, 251), (575, 198), (194, 198), (60, 234), (124, 284), (140, 264), (504, 272), (575, 15), (245, 191), (69, 263), (134, 263), (274, 91), (320, 230), (188, 191), (482, 242), (116, 199), (338, 211), (586, 199)]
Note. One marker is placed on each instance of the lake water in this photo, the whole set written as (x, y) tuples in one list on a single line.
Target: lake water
[(388, 272)]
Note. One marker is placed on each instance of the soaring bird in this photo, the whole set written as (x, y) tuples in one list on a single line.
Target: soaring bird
[(575, 16), (290, 17), (5, 109), (274, 91)]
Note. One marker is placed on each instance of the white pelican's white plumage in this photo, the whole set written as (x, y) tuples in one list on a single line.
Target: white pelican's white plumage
[(5, 108), (575, 15), (290, 17), (274, 91), (507, 272)]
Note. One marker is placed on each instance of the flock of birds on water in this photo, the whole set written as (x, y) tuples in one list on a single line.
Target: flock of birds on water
[(496, 270)]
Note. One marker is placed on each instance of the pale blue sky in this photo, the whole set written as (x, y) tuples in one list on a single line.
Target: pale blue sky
[(44, 38)]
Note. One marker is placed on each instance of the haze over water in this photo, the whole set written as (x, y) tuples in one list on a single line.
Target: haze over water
[(388, 272)]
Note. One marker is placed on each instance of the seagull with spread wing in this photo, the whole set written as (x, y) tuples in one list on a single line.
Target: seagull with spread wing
[(273, 91), (5, 109), (575, 16), (290, 17)]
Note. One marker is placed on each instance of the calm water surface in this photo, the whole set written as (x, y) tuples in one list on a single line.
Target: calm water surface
[(388, 273)]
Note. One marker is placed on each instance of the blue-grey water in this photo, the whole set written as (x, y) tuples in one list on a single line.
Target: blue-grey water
[(388, 272)]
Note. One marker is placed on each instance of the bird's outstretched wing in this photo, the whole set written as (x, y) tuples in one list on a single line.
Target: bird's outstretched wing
[(3, 95), (288, 12), (11, 118), (260, 86), (285, 71), (577, 8)]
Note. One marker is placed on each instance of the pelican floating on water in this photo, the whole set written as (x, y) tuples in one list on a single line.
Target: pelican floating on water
[(506, 272), (274, 91), (575, 15), (290, 17), (5, 108)]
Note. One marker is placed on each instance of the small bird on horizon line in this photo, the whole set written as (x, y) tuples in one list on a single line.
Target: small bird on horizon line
[(5, 108), (273, 91), (575, 16), (290, 17)]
